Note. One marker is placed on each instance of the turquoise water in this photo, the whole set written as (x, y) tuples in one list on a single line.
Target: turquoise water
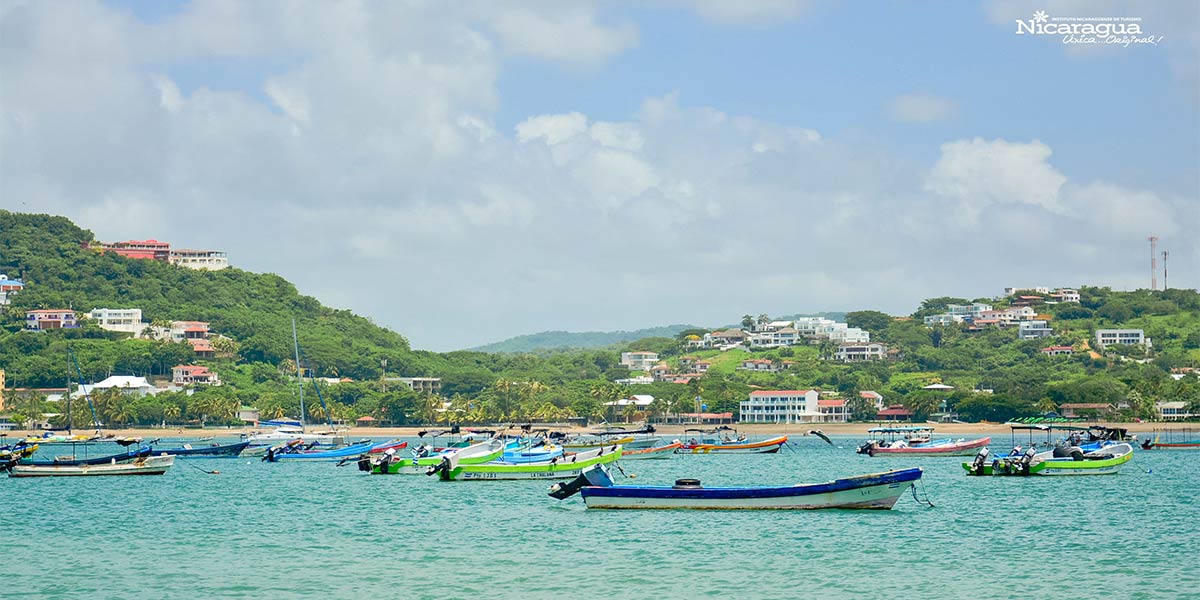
[(291, 530)]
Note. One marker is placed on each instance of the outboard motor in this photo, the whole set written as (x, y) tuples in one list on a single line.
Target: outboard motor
[(442, 468), (1147, 444), (364, 464), (566, 489), (1027, 460), (979, 462), (867, 448)]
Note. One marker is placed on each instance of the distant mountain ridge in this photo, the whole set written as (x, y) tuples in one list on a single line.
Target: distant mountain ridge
[(564, 340)]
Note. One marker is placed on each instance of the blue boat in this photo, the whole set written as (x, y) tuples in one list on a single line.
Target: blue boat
[(523, 455), (335, 454), (877, 490)]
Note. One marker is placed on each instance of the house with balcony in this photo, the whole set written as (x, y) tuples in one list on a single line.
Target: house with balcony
[(943, 319), (193, 374), (1058, 351), (760, 364), (661, 372), (700, 366), (126, 384), (204, 260), (126, 320), (55, 318), (775, 338), (894, 412), (1125, 337), (967, 311), (9, 287), (1065, 295), (431, 385), (1009, 291), (1175, 410), (809, 326), (639, 360), (141, 249), (1032, 330), (860, 352), (875, 397), (729, 337), (781, 406), (833, 410)]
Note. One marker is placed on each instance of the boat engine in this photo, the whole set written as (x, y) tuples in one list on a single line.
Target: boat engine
[(364, 464), (979, 462), (443, 467), (867, 448), (1027, 460), (566, 489)]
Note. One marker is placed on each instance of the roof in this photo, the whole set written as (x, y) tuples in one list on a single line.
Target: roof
[(1057, 348), (1085, 405), (44, 311), (194, 369), (832, 402), (200, 345), (778, 392), (897, 411), (121, 381), (938, 386), (870, 394), (365, 419)]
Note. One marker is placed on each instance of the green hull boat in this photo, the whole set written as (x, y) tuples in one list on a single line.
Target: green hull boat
[(565, 467), (484, 452), (1106, 461)]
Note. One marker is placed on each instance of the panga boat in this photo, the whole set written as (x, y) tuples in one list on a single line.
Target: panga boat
[(664, 451), (392, 464), (917, 441), (150, 465), (335, 454), (1062, 460), (1157, 445), (563, 467), (879, 490), (128, 455), (208, 450), (732, 446)]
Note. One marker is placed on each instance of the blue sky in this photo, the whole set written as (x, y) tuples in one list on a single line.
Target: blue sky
[(591, 166)]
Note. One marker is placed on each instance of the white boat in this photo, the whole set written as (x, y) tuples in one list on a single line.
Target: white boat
[(287, 433), (150, 465)]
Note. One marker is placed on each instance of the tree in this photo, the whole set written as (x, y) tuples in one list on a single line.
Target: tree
[(922, 404), (747, 322), (870, 320)]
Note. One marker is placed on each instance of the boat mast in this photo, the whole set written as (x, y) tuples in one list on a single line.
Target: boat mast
[(69, 432), (299, 374)]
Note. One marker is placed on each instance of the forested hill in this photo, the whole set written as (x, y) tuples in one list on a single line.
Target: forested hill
[(565, 340), (48, 253)]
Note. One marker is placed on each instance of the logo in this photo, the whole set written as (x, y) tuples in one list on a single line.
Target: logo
[(1117, 31)]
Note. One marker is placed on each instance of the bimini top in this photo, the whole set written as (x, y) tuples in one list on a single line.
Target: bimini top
[(914, 429), (1044, 427)]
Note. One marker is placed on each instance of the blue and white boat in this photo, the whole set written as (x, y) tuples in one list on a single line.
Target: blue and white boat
[(335, 454), (878, 491)]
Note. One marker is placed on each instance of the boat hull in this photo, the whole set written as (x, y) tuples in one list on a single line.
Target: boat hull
[(153, 465), (472, 455), (659, 452), (764, 447), (563, 468), (214, 450), (875, 491), (1060, 467), (954, 449)]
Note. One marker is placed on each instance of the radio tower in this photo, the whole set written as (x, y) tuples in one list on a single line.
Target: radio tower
[(1153, 261), (1165, 253)]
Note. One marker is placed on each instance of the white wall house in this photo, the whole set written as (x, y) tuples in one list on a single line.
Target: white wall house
[(1065, 295), (943, 319), (133, 386), (781, 406), (860, 352), (784, 336), (128, 320), (967, 310), (206, 260), (639, 361), (1175, 410), (1009, 291), (1032, 330), (1108, 337)]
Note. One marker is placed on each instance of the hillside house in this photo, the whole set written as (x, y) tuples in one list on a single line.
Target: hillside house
[(126, 320), (56, 318), (204, 260), (9, 287), (1058, 350), (860, 352), (639, 360), (1032, 330), (193, 374), (1108, 337)]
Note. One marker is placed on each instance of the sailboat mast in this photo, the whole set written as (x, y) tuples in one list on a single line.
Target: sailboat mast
[(299, 373), (69, 432)]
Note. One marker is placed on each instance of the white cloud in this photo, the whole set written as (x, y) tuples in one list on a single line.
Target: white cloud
[(554, 129), (753, 12), (977, 173), (920, 108), (561, 32)]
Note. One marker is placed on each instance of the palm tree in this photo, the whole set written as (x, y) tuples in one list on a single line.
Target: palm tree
[(747, 321), (1046, 405)]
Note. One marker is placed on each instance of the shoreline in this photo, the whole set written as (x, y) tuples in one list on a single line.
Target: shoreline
[(755, 429)]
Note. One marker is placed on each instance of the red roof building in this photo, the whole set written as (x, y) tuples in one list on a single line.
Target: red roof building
[(895, 412), (143, 249)]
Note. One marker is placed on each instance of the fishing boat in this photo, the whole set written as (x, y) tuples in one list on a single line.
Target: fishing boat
[(12, 454), (150, 465), (530, 454), (210, 450), (917, 441), (878, 491), (127, 455), (730, 444), (563, 467), (286, 431), (393, 464), (1062, 460), (1157, 445), (287, 455), (656, 452)]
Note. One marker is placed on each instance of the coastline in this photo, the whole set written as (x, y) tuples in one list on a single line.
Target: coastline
[(757, 429)]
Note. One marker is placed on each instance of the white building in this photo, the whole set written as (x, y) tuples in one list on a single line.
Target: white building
[(1108, 337), (133, 386), (1009, 291), (638, 400), (774, 338), (1173, 411), (639, 361), (781, 406), (943, 319), (875, 397), (859, 352), (1032, 330), (206, 260), (1065, 295), (809, 326), (967, 310), (128, 320)]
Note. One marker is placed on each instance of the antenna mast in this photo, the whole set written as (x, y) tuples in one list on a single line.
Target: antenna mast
[(1165, 253), (1153, 265)]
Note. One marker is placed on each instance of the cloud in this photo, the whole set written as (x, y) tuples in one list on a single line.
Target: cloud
[(978, 173), (561, 32), (759, 12), (920, 108)]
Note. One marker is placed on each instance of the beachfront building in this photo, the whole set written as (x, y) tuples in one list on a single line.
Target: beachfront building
[(1108, 337), (833, 410), (56, 318), (860, 352), (1175, 410), (432, 385), (781, 406), (127, 320), (875, 397), (894, 412), (1032, 330), (639, 361), (205, 260), (190, 374)]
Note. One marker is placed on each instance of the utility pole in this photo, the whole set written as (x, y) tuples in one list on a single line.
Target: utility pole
[(1165, 253), (1153, 265)]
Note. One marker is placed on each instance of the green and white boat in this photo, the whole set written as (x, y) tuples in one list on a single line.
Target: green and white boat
[(391, 464), (564, 467), (1107, 460)]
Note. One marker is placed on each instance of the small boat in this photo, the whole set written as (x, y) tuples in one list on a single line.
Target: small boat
[(128, 455), (739, 445), (563, 467), (287, 433), (388, 445), (527, 454), (658, 452), (917, 441), (594, 441), (1157, 445), (1062, 460), (210, 450), (150, 465), (287, 454), (422, 460), (878, 491)]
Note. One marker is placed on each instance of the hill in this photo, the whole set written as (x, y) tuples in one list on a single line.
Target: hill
[(566, 340)]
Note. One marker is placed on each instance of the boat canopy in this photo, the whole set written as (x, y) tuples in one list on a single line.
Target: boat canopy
[(915, 429)]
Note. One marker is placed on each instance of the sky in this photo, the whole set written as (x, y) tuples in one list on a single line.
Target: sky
[(471, 171)]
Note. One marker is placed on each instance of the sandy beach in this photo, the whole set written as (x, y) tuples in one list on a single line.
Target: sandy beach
[(860, 429)]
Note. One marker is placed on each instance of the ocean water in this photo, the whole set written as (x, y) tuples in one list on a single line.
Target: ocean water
[(291, 530)]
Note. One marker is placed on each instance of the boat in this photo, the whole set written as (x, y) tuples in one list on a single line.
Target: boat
[(656, 452), (594, 441), (12, 454), (210, 450), (877, 491), (563, 467), (293, 453), (1157, 445), (422, 459), (917, 441), (128, 455), (530, 454), (150, 465), (727, 444), (388, 445), (1062, 460), (286, 431)]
